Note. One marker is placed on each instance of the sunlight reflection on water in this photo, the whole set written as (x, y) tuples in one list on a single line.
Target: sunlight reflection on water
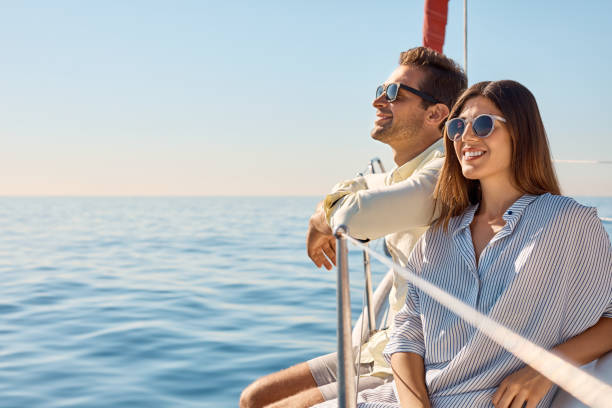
[(151, 302)]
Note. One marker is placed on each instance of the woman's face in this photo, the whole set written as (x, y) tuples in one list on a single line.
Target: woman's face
[(484, 158)]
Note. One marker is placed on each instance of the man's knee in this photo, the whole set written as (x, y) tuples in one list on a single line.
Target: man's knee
[(277, 386), (248, 398)]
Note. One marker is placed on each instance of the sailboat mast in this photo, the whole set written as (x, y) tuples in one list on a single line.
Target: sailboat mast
[(465, 56)]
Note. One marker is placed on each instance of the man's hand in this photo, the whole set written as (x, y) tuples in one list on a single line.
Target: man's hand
[(523, 386), (320, 242)]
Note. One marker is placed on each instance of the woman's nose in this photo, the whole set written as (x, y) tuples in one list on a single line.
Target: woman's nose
[(468, 133)]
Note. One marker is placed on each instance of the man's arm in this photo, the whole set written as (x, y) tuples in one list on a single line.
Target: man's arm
[(528, 385), (375, 212), (320, 243), (318, 220), (409, 375)]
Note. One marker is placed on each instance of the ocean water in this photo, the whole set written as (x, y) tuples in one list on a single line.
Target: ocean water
[(161, 302)]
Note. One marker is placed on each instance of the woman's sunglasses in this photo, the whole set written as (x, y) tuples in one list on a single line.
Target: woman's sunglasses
[(391, 90), (482, 126)]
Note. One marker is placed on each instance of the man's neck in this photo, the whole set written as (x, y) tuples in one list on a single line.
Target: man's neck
[(407, 150)]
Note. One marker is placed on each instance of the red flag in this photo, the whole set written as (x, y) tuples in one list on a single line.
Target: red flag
[(434, 26)]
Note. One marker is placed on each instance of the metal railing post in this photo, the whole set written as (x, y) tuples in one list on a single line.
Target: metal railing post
[(346, 364), (377, 160), (369, 293), (366, 264)]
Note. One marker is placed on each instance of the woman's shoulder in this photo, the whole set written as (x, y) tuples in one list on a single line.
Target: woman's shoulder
[(560, 202), (563, 210)]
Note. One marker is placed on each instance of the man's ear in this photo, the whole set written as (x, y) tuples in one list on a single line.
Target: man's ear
[(436, 114)]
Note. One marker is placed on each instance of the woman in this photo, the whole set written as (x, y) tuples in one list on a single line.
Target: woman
[(508, 244)]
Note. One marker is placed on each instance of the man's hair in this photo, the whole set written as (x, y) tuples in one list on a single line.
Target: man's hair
[(444, 79), (530, 162)]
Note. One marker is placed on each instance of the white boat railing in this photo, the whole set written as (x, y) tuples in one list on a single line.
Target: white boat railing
[(346, 366), (369, 309), (582, 385)]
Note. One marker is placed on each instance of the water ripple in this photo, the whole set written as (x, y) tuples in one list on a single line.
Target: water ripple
[(159, 302)]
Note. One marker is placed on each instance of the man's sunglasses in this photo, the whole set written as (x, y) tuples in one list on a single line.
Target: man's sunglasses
[(482, 126), (391, 90)]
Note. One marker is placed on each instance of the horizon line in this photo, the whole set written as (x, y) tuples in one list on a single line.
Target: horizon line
[(206, 195)]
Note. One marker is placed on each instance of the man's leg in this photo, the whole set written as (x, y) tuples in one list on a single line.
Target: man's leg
[(299, 383), (304, 399), (326, 393), (367, 384), (282, 385), (302, 385)]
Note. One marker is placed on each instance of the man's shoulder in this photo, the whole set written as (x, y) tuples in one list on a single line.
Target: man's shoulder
[(375, 180), (434, 163), (430, 168)]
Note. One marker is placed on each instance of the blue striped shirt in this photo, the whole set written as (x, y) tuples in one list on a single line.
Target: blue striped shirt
[(547, 274)]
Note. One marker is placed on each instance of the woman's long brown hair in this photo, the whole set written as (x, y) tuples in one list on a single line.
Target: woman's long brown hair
[(531, 165)]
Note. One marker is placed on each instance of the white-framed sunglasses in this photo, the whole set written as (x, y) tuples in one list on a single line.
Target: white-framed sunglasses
[(482, 125)]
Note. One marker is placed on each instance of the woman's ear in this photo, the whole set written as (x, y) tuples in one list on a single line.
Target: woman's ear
[(436, 114)]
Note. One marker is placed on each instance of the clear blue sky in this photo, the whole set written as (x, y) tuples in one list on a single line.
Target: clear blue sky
[(266, 98)]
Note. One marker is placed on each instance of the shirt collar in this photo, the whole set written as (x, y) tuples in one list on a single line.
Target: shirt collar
[(514, 213), (466, 218), (511, 216), (406, 169)]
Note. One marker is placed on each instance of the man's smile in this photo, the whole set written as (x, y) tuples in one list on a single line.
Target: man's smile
[(381, 117)]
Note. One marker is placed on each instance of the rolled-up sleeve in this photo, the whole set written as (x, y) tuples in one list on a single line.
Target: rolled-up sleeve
[(595, 258), (341, 190), (408, 335), (590, 273), (374, 212)]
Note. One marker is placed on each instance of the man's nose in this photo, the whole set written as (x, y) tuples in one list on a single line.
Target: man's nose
[(380, 101)]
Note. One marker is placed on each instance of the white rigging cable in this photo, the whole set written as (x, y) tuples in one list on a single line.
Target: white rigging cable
[(583, 161), (577, 382)]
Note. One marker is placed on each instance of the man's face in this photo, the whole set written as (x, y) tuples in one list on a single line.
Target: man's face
[(403, 118)]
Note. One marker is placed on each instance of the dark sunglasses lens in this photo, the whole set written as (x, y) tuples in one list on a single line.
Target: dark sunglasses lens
[(379, 91), (483, 125), (455, 128), (392, 92)]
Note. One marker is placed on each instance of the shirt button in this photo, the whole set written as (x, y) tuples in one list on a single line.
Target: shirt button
[(509, 212)]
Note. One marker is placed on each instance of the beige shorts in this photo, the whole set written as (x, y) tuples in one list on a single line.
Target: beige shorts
[(323, 370)]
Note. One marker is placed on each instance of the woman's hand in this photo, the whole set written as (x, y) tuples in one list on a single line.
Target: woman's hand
[(525, 385)]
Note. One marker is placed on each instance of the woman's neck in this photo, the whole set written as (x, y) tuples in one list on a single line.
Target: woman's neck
[(497, 196)]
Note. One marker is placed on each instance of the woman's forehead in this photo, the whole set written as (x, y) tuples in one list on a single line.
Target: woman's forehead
[(478, 105)]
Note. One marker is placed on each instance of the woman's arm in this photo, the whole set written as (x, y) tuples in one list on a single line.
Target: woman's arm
[(588, 345), (409, 374), (528, 385)]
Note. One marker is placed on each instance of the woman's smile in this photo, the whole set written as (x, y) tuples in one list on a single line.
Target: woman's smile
[(472, 154)]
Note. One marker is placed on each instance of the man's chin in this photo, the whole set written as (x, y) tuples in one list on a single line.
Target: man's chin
[(379, 133)]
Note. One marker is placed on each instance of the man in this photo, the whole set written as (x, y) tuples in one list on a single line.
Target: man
[(411, 107)]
